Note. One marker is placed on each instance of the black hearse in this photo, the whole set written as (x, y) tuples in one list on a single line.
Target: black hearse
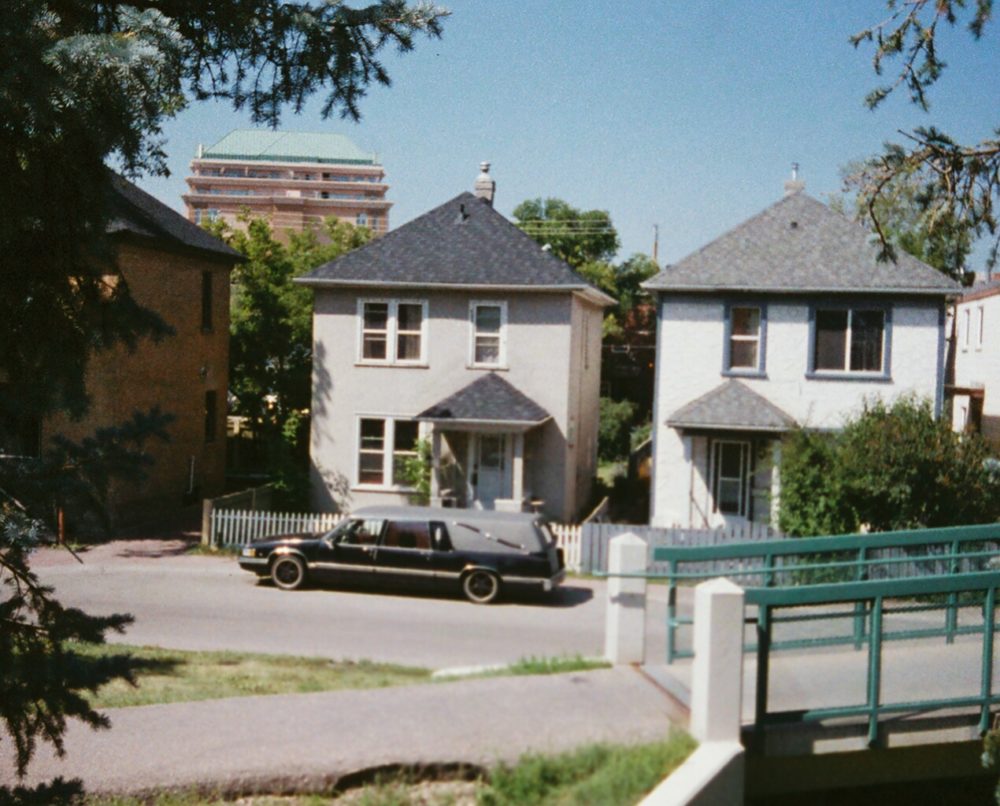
[(475, 551)]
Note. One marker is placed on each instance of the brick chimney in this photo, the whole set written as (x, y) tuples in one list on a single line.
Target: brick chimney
[(793, 185), (485, 187)]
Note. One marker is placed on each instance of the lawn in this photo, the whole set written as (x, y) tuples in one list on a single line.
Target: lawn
[(174, 675)]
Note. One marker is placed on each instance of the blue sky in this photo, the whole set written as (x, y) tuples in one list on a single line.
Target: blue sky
[(682, 113)]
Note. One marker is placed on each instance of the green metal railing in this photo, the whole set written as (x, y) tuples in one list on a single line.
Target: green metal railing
[(872, 598), (809, 562)]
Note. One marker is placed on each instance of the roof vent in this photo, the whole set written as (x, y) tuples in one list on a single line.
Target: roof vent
[(794, 185), (462, 214), (485, 187), (794, 225)]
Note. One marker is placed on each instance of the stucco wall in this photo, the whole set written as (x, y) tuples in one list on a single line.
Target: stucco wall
[(538, 348), (173, 374), (690, 341)]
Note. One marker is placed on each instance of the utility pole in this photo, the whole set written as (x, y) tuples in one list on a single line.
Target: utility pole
[(656, 244)]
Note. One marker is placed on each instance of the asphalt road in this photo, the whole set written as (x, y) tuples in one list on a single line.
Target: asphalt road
[(202, 602)]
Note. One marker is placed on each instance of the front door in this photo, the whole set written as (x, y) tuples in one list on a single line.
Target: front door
[(490, 469)]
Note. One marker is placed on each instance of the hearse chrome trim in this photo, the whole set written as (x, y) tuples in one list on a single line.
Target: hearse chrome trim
[(385, 569), (253, 560), (547, 584)]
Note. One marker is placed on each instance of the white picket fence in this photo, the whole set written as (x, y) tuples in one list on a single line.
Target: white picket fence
[(585, 547), (238, 527)]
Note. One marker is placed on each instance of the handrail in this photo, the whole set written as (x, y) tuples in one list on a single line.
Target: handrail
[(829, 543), (872, 596), (773, 560)]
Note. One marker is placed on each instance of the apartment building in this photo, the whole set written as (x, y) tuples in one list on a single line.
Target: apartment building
[(296, 179)]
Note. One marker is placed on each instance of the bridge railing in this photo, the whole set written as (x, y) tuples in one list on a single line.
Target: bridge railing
[(883, 556), (876, 599)]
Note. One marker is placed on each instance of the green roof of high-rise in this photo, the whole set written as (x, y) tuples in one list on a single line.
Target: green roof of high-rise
[(267, 145)]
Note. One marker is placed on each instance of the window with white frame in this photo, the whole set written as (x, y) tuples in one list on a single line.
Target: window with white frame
[(731, 482), (392, 331), (745, 338), (489, 334), (849, 340), (966, 328), (384, 446), (979, 326)]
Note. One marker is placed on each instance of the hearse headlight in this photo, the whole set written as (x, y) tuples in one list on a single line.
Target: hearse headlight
[(249, 551)]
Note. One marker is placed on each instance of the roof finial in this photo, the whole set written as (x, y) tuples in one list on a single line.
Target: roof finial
[(793, 185)]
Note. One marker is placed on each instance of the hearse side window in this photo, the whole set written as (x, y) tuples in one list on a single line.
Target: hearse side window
[(408, 535), (362, 533), (439, 537)]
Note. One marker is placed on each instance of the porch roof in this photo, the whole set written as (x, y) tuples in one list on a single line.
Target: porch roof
[(487, 401), (731, 406)]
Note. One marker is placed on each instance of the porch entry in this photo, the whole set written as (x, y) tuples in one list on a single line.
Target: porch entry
[(490, 466)]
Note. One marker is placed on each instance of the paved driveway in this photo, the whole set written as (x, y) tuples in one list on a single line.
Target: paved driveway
[(197, 602)]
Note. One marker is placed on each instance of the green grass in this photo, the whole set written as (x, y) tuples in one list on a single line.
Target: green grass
[(594, 775), (558, 665), (173, 675)]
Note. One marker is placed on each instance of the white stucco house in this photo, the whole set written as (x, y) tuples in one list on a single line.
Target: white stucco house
[(787, 320), (974, 385), (458, 328)]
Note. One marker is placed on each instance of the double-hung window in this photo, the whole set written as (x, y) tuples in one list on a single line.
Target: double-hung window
[(488, 345), (851, 340), (392, 331), (745, 339), (384, 446)]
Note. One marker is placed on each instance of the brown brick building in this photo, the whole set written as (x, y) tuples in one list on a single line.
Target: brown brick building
[(178, 270)]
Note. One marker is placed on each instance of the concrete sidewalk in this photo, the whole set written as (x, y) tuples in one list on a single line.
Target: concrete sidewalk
[(303, 741)]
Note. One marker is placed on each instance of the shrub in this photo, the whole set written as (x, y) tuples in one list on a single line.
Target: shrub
[(615, 427)]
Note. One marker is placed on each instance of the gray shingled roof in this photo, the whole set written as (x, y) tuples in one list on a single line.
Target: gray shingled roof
[(731, 406), (487, 399), (135, 212), (799, 245), (463, 242)]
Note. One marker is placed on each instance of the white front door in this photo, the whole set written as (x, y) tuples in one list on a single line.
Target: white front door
[(490, 469)]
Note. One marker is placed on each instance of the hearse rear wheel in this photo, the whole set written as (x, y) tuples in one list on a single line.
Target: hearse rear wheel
[(481, 587), (288, 572)]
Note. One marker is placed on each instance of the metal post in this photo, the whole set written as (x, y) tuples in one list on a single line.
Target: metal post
[(763, 670), (860, 575), (951, 615), (672, 613), (986, 687), (874, 671)]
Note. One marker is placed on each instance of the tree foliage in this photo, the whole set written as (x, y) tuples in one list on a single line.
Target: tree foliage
[(891, 467), (44, 682), (906, 224), (88, 83), (577, 236), (957, 185), (615, 428)]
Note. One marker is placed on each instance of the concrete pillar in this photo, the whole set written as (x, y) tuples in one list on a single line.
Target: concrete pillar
[(206, 521), (717, 670), (775, 479), (625, 630)]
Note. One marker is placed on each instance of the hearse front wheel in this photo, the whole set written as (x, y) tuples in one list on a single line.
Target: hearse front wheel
[(288, 572), (481, 587)]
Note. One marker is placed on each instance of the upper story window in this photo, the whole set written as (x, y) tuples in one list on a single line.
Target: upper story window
[(850, 340), (980, 313), (488, 344), (966, 335), (392, 331), (745, 340), (361, 219)]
